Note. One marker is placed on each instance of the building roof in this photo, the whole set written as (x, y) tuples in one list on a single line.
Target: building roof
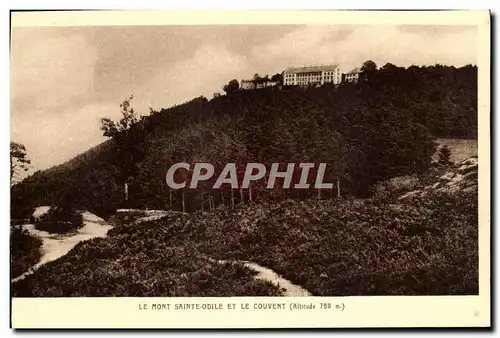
[(356, 70), (295, 70)]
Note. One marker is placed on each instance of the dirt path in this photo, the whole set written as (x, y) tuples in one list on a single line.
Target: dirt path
[(54, 246), (288, 288)]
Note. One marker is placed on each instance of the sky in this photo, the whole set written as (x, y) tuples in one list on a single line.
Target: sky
[(64, 79)]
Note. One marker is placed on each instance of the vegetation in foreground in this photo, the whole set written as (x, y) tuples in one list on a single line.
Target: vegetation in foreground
[(332, 247), (358, 248), (24, 251), (140, 264)]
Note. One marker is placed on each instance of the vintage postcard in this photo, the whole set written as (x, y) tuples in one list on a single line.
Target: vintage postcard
[(261, 169)]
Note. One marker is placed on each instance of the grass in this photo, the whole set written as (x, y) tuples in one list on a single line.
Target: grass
[(460, 149)]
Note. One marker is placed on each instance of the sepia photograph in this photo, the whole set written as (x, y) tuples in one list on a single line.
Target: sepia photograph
[(246, 160)]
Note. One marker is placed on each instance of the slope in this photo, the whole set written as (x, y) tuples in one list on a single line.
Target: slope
[(366, 132)]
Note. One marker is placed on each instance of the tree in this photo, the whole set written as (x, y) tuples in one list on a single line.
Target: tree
[(368, 69), (128, 135), (277, 78), (444, 154), (129, 118), (18, 159), (388, 67), (231, 87), (369, 66), (256, 80)]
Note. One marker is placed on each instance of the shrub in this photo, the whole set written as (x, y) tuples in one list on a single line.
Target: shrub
[(60, 220), (444, 155), (24, 251)]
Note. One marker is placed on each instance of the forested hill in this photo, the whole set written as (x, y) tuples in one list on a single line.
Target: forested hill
[(381, 127)]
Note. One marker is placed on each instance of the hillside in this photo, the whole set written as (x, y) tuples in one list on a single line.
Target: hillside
[(423, 244), (366, 132)]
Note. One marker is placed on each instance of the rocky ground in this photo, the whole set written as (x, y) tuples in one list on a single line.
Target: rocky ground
[(461, 176)]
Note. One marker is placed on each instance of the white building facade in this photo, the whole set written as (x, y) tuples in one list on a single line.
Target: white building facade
[(252, 84), (353, 75), (247, 84), (315, 75)]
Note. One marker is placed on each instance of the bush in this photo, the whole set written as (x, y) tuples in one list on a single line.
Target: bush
[(444, 155), (60, 220), (24, 251)]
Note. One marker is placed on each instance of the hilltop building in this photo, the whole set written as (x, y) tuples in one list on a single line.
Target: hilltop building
[(305, 76), (246, 84), (266, 84), (318, 75), (353, 75), (252, 84)]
